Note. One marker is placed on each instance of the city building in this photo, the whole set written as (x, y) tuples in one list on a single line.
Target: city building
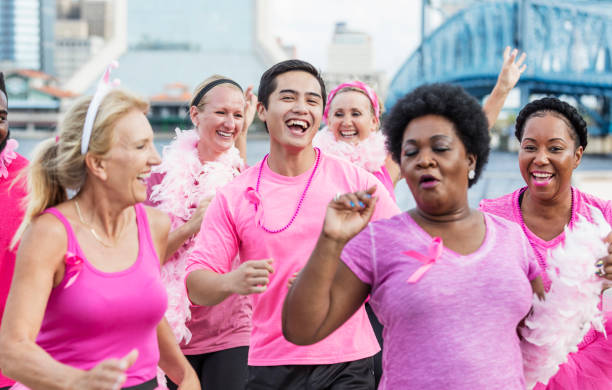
[(351, 57), (27, 34), (182, 43), (35, 100)]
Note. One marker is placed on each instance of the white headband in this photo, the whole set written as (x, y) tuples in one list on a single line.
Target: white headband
[(103, 88)]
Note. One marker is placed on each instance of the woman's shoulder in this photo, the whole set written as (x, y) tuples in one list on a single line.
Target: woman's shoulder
[(502, 206), (158, 220), (585, 199)]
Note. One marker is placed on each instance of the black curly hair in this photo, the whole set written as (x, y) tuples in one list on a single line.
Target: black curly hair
[(560, 109), (451, 102)]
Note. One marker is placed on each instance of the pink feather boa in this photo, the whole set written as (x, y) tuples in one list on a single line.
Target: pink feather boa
[(185, 183), (369, 154), (560, 322)]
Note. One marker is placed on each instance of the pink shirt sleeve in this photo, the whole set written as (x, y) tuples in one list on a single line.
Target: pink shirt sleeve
[(385, 206), (217, 244)]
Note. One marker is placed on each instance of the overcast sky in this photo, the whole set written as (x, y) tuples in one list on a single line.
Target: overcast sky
[(394, 26)]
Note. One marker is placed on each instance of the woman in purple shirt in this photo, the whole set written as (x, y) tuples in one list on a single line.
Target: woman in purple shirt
[(449, 283)]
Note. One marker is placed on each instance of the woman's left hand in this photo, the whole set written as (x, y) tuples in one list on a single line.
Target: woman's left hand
[(604, 265), (511, 70), (250, 108)]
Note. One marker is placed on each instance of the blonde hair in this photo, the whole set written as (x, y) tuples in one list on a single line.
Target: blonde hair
[(203, 85), (59, 165)]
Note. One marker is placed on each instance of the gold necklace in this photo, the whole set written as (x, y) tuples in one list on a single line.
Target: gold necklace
[(91, 229)]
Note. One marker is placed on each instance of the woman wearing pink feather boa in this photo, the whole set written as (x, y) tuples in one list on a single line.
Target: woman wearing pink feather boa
[(353, 113), (196, 163), (553, 137)]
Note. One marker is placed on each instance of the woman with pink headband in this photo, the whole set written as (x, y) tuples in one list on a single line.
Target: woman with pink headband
[(352, 114)]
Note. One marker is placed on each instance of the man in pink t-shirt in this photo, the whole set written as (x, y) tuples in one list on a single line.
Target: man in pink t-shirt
[(271, 216)]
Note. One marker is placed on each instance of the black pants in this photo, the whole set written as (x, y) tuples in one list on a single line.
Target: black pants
[(378, 331), (149, 385), (356, 375), (223, 370)]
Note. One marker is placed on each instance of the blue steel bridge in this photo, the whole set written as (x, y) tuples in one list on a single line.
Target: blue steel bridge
[(568, 46)]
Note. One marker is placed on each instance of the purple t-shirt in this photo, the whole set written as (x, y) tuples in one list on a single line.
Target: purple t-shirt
[(455, 328)]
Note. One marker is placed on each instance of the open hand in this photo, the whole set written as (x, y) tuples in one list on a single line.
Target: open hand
[(250, 108), (511, 70), (349, 213)]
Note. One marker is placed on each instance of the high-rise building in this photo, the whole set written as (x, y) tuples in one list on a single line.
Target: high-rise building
[(351, 57), (26, 34), (99, 17), (182, 43)]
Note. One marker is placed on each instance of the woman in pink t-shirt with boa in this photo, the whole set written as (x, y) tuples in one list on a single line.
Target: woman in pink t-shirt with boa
[(553, 137), (195, 164)]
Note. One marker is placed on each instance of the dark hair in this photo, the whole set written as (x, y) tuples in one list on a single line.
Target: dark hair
[(2, 85), (451, 102), (562, 110), (267, 84)]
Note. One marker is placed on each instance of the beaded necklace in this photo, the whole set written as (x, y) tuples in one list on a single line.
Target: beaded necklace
[(299, 205), (540, 259)]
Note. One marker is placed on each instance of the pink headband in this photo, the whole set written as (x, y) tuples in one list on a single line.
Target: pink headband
[(355, 84)]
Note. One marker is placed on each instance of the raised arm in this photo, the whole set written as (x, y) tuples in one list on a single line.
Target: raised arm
[(509, 75), (249, 114), (326, 293), (39, 267), (178, 236)]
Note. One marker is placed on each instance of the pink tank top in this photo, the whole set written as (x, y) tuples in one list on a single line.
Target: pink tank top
[(94, 315)]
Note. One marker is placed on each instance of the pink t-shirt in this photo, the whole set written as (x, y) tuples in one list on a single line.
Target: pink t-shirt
[(385, 178), (11, 198), (213, 328), (229, 228), (508, 206), (455, 328)]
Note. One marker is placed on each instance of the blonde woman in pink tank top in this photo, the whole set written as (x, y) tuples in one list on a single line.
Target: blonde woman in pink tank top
[(86, 307)]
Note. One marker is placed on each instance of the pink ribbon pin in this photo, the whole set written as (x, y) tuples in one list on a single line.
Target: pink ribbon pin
[(74, 265), (433, 254), (255, 198)]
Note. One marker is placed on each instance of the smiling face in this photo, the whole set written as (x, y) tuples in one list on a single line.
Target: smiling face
[(220, 120), (548, 155), (3, 116), (351, 118), (435, 164), (131, 157), (294, 110)]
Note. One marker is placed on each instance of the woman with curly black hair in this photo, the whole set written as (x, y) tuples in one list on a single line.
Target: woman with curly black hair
[(449, 283), (553, 137)]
